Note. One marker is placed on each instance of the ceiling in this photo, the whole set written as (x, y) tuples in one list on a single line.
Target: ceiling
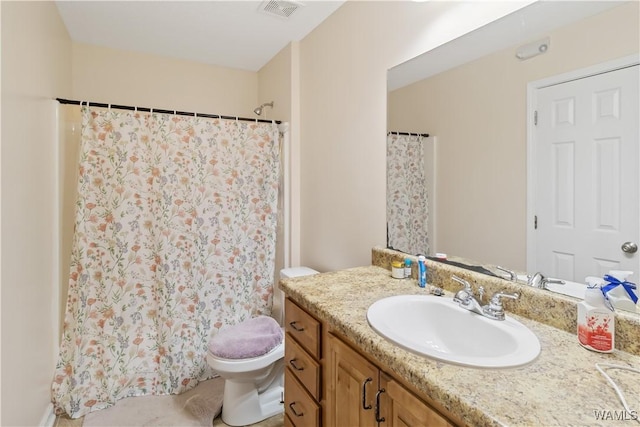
[(531, 22), (237, 34)]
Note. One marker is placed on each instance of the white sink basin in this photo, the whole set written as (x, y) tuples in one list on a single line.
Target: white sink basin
[(437, 327)]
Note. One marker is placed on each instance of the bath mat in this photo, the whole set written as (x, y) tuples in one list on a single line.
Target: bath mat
[(194, 408)]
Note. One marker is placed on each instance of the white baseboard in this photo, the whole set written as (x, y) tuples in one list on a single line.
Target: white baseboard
[(48, 418)]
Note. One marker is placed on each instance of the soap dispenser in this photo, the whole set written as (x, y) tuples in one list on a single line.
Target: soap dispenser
[(596, 321)]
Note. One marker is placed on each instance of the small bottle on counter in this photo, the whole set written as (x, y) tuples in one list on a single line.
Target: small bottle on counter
[(397, 269), (596, 321), (422, 271), (407, 268)]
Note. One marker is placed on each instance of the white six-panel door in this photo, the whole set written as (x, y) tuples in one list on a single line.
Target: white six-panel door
[(587, 180)]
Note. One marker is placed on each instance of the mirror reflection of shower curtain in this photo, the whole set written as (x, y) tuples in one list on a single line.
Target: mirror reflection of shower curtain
[(407, 199), (174, 239)]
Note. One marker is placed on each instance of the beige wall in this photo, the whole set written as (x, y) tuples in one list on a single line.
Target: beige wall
[(70, 122), (279, 81), (478, 114), (343, 69), (335, 101), (130, 78), (36, 67), (274, 85)]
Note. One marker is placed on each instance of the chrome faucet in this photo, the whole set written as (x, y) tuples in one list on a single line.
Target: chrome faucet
[(541, 282), (465, 297), (494, 309), (467, 300)]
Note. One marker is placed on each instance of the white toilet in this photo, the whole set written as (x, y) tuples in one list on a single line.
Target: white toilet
[(254, 386)]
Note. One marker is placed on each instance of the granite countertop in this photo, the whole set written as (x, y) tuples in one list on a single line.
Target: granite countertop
[(560, 388)]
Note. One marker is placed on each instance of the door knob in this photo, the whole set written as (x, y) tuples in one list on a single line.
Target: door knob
[(629, 247)]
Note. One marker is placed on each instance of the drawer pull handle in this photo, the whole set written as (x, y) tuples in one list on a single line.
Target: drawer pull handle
[(292, 362), (378, 419), (294, 410), (364, 394), (295, 327)]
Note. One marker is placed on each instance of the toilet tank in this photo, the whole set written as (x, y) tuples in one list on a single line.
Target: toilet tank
[(278, 295)]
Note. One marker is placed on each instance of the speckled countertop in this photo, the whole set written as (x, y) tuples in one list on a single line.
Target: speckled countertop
[(553, 309), (560, 388)]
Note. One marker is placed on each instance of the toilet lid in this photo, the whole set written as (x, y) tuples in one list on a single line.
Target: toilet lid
[(251, 338)]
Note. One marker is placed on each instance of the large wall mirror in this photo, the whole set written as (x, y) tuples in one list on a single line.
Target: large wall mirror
[(473, 95)]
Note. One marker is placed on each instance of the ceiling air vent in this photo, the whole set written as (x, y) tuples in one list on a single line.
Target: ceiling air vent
[(279, 8)]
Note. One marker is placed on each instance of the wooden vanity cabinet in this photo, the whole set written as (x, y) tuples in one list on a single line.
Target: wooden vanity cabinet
[(329, 383), (360, 394)]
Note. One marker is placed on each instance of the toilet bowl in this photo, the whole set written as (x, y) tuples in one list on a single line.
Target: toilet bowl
[(253, 386)]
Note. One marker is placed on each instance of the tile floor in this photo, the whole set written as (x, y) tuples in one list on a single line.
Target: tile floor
[(277, 421)]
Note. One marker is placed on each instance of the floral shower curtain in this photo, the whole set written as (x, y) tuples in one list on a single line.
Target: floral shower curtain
[(174, 239), (407, 204)]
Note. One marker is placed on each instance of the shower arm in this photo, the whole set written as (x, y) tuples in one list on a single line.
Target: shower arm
[(258, 110)]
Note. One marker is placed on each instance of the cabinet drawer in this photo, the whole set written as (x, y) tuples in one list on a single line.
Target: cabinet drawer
[(304, 328), (302, 366), (301, 409)]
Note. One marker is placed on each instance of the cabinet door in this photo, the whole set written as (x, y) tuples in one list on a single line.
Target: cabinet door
[(352, 386), (401, 408)]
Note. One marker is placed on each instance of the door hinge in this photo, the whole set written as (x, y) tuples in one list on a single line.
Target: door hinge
[(535, 118), (535, 222)]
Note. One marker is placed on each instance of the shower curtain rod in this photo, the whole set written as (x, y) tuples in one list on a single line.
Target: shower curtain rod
[(425, 135), (158, 110)]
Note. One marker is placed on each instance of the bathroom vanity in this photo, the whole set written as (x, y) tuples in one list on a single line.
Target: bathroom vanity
[(341, 372), (356, 390)]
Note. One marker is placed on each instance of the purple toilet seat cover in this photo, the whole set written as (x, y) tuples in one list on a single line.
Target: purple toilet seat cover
[(251, 338)]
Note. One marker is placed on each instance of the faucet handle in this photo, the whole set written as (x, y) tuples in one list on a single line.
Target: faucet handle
[(463, 295), (467, 285), (494, 309), (511, 273), (546, 281)]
